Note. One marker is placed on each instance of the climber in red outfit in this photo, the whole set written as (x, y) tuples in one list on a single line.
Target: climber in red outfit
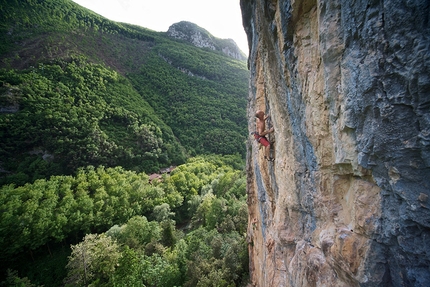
[(261, 132)]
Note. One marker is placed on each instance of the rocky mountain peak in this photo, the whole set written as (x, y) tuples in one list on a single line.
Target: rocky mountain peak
[(201, 38)]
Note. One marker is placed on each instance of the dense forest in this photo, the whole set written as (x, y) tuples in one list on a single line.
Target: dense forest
[(186, 229), (89, 108)]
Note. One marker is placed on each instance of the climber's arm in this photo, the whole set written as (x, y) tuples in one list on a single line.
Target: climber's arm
[(266, 132)]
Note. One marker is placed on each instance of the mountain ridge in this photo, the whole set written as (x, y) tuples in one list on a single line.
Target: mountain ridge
[(141, 79), (201, 38)]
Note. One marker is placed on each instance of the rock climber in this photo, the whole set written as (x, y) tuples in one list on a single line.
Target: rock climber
[(261, 133)]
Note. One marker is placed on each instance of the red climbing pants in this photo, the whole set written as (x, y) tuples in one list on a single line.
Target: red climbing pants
[(261, 139)]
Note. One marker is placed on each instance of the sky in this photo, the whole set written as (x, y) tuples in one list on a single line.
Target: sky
[(221, 18)]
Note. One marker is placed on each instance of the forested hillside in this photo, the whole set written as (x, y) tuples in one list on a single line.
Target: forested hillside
[(78, 89), (88, 108)]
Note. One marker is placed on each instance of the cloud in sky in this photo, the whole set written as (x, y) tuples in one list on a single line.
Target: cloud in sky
[(222, 18)]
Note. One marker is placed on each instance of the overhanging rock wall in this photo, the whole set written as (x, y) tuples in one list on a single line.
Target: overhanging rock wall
[(347, 85)]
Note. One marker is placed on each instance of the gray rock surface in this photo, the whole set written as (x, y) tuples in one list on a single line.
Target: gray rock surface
[(347, 85), (201, 38)]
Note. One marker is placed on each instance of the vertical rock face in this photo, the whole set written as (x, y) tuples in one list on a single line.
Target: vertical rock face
[(347, 86)]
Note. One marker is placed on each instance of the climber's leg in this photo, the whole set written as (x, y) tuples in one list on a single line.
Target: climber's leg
[(267, 154), (266, 144)]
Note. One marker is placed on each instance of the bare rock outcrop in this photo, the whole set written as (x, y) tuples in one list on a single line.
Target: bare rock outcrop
[(201, 38), (347, 86)]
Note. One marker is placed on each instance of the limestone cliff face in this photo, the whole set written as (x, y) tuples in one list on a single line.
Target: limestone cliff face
[(347, 86), (201, 38)]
